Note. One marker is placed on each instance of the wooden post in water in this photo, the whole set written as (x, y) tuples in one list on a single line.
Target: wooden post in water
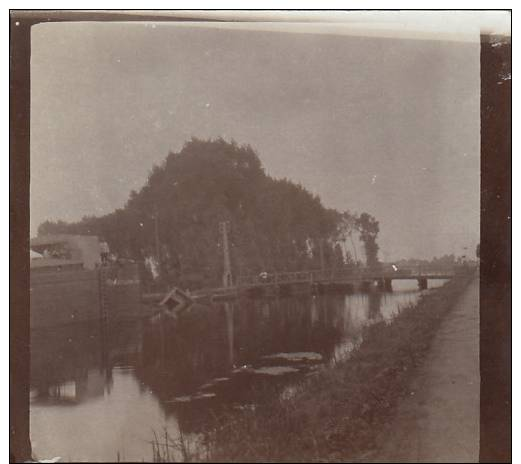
[(228, 309)]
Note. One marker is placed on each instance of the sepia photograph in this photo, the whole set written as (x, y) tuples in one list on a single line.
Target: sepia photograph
[(260, 236)]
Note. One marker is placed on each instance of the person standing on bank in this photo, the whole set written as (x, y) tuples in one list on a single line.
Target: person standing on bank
[(104, 252)]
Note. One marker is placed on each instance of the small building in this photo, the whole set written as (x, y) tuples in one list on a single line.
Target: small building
[(66, 249)]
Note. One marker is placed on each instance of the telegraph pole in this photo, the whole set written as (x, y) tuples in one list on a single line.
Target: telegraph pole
[(224, 228)]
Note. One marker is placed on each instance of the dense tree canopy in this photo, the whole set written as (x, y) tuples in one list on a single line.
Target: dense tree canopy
[(275, 224)]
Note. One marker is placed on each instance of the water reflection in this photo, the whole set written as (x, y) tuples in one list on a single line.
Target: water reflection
[(97, 393)]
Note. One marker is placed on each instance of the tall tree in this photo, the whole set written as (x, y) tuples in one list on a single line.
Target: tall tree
[(368, 228)]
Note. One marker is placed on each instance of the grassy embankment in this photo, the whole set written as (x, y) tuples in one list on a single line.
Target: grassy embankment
[(336, 415)]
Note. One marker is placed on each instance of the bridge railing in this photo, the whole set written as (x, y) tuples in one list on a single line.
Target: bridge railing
[(345, 273)]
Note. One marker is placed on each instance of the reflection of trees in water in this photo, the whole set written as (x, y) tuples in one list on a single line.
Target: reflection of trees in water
[(359, 310), (63, 354), (375, 302), (81, 356), (206, 343), (203, 345), (299, 323), (198, 347), (328, 328), (179, 355), (176, 357)]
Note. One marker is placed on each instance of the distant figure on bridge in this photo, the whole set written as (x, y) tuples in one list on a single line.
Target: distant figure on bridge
[(104, 252)]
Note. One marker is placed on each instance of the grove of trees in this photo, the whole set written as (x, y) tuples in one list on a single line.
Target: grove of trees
[(276, 225)]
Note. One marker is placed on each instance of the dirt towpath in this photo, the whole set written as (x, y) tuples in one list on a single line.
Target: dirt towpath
[(439, 420)]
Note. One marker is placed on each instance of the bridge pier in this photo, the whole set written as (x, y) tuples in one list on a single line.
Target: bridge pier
[(422, 283), (385, 285)]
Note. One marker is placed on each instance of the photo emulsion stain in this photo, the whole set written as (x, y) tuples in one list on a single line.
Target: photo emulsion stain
[(253, 243)]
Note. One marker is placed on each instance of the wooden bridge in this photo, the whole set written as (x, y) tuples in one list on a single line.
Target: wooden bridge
[(345, 278), (349, 274)]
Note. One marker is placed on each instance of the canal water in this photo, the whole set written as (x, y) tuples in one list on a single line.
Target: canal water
[(107, 393)]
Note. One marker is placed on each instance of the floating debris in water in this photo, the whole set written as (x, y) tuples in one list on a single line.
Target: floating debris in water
[(299, 356), (245, 407), (180, 399), (188, 398), (201, 396), (213, 383), (206, 386), (275, 370)]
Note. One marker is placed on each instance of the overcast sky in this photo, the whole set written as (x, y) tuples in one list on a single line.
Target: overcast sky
[(387, 126)]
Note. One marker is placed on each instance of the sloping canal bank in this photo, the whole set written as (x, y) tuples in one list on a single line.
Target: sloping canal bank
[(338, 414)]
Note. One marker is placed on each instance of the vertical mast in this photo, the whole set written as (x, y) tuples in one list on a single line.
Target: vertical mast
[(224, 228)]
